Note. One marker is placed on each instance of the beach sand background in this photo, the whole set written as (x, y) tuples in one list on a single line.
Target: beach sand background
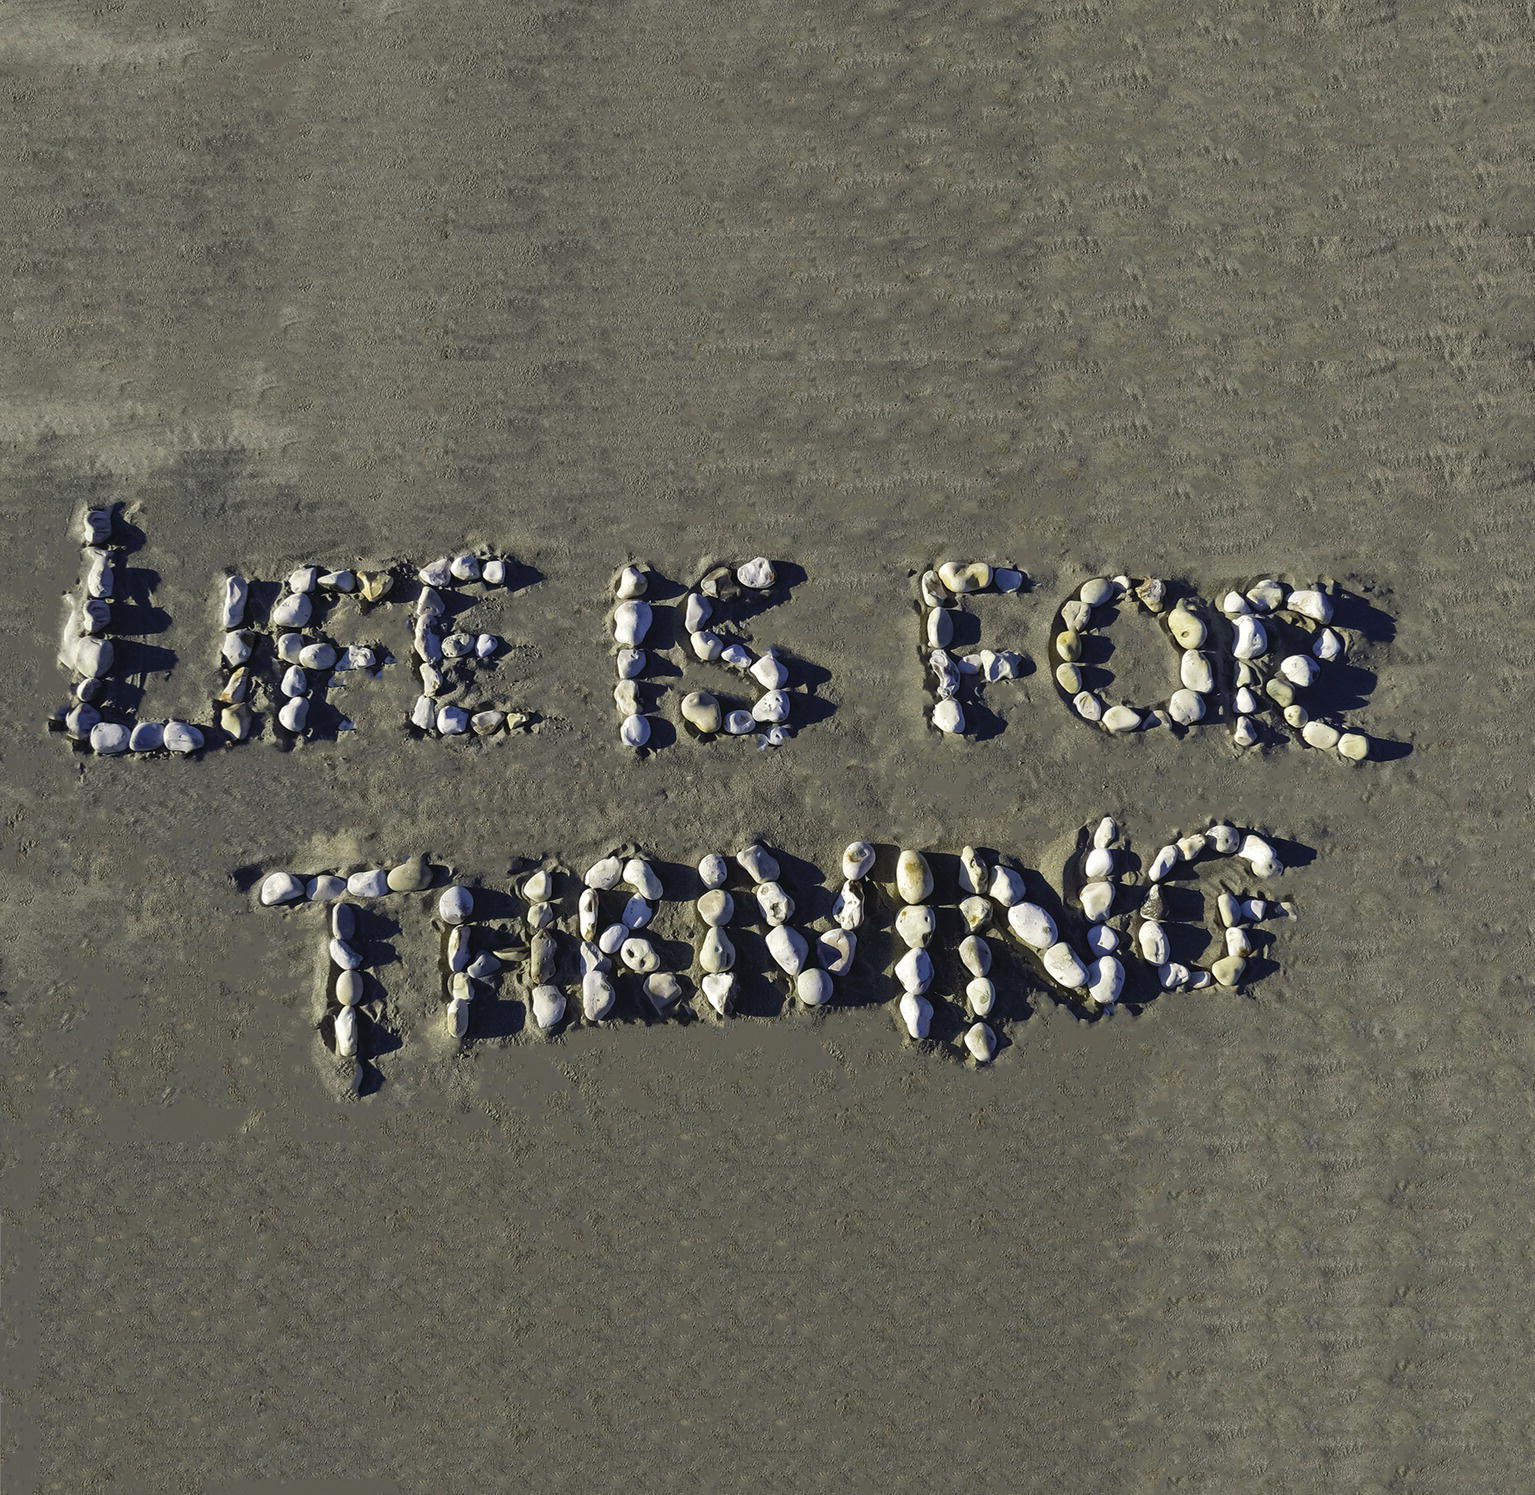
[(1203, 292)]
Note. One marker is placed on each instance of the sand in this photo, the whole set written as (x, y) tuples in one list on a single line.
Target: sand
[(1198, 294)]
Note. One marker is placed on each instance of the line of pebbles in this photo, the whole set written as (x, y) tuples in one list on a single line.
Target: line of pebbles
[(620, 893), (705, 610), (942, 590)]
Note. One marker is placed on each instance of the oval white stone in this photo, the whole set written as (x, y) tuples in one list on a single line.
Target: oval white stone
[(1064, 966), (1032, 924), (916, 1014), (914, 970)]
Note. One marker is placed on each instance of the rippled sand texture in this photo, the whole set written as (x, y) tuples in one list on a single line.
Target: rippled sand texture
[(1203, 293)]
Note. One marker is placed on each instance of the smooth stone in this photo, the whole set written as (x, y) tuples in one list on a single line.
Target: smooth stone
[(702, 710), (1327, 646), (236, 721), (411, 876), (949, 717), (939, 628), (438, 573), (95, 615), (770, 671), (716, 907), (586, 913), (1096, 898), (597, 996), (1105, 980), (916, 1014), (713, 869), (1068, 644), (1162, 863), (1246, 702), (857, 860), (981, 1043), (344, 956), (294, 682), (1007, 578), (626, 696), (464, 567), (1196, 672), (980, 995), (548, 1006), (915, 924), (460, 947), (538, 885), (1187, 627), (1105, 833), (1007, 886), (1069, 678), (346, 1033), (963, 577), (775, 904), (1152, 940), (1223, 839), (542, 957), (931, 590), (1320, 735), (294, 715), (1299, 669), (1087, 706), (326, 888), (458, 645), (94, 656), (1102, 939), (1032, 924), (757, 573), (1098, 863), (1064, 966), (318, 656), (1354, 746), (487, 723), (758, 863), (720, 583), (913, 876), (976, 911), (232, 606), (813, 987), (716, 953), (739, 723), (639, 955), (788, 947), (631, 622), (281, 887), (1260, 856), (456, 904), (1296, 716), (90, 689), (1266, 595), (975, 955), (100, 580), (304, 579), (350, 987), (1239, 942), (847, 907), (1251, 639), (146, 737), (423, 714), (973, 874), (292, 610), (1228, 970), (629, 663), (1120, 719), (82, 720), (718, 988), (737, 656), (773, 708), (180, 737), (635, 731), (663, 991), (706, 646), (914, 970), (835, 951), (374, 586), (1172, 974), (604, 874), (109, 739), (452, 721), (630, 583), (1075, 616), (640, 876), (1245, 733), (1311, 602), (541, 915), (237, 687), (1280, 691), (339, 581), (637, 912), (696, 612), (96, 526), (237, 648), (1186, 707)]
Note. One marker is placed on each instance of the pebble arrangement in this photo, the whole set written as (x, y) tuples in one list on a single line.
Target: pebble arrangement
[(1279, 641), (1120, 915), (705, 611), (942, 590)]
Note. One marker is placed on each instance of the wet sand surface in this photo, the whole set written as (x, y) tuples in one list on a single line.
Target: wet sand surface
[(1206, 294)]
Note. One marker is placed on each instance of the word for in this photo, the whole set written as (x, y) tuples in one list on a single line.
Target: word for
[(579, 951), (1256, 660)]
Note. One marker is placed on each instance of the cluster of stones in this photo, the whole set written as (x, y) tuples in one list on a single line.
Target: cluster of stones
[(1090, 610), (89, 653), (443, 657), (942, 591), (1281, 638), (620, 893), (704, 611)]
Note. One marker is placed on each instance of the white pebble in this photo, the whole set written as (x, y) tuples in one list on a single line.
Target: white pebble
[(738, 723), (913, 876), (1311, 602), (1106, 979), (949, 717), (916, 1014), (346, 1033), (1152, 939), (847, 907), (835, 950), (452, 721), (631, 622), (914, 970), (1163, 862), (939, 628), (1327, 646), (788, 947), (181, 737), (758, 574), (1064, 966), (772, 708), (232, 607), (1032, 924), (857, 860), (548, 1005), (1186, 707), (372, 882), (294, 715), (719, 989), (981, 1043), (292, 610), (597, 996), (813, 987), (281, 887), (713, 869)]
